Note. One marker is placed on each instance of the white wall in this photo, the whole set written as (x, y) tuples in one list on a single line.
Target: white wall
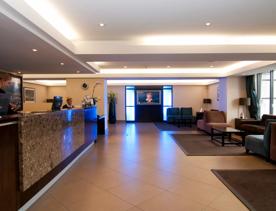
[(74, 89), (40, 98), (57, 91), (183, 96), (218, 94), (225, 96), (40, 91), (212, 93), (189, 96), (236, 89), (120, 105)]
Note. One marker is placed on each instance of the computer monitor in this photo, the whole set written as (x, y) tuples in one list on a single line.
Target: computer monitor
[(57, 103)]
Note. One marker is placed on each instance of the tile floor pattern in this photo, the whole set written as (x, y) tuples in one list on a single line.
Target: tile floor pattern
[(137, 167)]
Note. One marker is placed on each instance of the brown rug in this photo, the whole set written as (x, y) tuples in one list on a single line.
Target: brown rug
[(255, 188), (201, 145)]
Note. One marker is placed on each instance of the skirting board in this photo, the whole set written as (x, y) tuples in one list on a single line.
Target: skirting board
[(28, 204)]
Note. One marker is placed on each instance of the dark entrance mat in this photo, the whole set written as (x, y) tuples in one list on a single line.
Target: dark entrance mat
[(201, 145), (163, 126), (255, 188)]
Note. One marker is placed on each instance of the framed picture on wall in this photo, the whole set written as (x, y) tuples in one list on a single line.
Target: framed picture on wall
[(148, 97), (29, 95)]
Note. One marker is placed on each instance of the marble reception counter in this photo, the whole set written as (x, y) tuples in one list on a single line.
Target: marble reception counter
[(36, 147), (45, 140), (48, 142)]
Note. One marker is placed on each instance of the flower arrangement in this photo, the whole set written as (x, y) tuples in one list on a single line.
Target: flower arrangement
[(112, 97), (95, 99)]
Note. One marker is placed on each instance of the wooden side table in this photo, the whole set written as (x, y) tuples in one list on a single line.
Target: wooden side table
[(199, 115)]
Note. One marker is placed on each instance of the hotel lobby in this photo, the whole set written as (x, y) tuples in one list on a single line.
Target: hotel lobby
[(137, 106)]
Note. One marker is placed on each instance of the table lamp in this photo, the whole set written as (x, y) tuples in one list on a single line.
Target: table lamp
[(207, 101)]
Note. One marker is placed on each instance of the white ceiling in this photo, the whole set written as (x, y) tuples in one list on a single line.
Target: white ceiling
[(126, 19), (16, 53), (163, 64), (127, 22)]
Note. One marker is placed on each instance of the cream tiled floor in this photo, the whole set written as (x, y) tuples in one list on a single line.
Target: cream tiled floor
[(137, 167)]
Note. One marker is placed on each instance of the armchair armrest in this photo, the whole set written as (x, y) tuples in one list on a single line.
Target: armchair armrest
[(273, 142), (251, 121), (269, 120)]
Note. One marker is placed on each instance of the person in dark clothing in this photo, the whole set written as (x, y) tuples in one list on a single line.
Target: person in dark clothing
[(69, 104), (5, 80)]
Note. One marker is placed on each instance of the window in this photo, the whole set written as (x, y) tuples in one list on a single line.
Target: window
[(274, 93), (267, 92), (130, 103), (167, 100)]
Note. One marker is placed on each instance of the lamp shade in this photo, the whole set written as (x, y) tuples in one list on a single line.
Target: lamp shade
[(242, 101), (207, 101)]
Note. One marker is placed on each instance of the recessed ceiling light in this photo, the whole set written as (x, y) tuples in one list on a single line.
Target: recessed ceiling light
[(34, 50), (168, 66), (125, 67), (61, 64), (207, 24), (211, 66), (19, 72), (101, 24)]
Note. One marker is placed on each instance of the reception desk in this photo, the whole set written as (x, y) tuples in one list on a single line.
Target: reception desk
[(44, 144)]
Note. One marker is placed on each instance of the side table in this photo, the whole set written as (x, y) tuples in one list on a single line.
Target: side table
[(199, 115)]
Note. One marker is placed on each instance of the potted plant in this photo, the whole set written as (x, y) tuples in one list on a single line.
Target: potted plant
[(112, 107), (95, 99)]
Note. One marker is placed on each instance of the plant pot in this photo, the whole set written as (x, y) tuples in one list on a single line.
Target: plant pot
[(112, 112)]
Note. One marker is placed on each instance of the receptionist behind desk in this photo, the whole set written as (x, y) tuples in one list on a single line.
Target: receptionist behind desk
[(6, 106), (69, 104)]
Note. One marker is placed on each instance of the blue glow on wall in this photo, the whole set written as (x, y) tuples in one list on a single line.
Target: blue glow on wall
[(69, 114), (67, 141)]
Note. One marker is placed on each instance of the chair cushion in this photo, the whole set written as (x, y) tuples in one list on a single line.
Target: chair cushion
[(255, 143), (215, 116), (273, 142), (213, 124), (186, 111), (266, 117), (172, 111), (255, 129), (255, 138)]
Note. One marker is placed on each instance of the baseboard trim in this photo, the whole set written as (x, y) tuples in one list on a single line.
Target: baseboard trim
[(30, 202)]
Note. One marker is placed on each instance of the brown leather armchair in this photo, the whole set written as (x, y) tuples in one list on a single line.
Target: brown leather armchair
[(255, 126), (264, 144), (211, 119), (273, 142)]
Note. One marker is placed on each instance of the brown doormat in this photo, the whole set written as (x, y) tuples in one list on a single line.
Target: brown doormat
[(255, 188), (201, 145)]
